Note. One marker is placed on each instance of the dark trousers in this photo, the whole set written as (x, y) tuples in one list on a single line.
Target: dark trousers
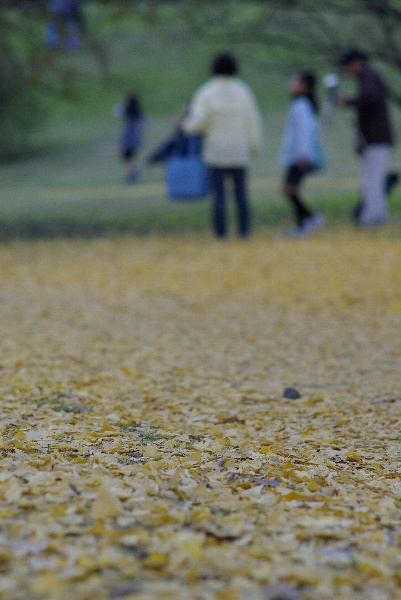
[(219, 177)]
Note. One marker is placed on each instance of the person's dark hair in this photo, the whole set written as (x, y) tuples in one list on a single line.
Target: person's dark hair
[(309, 79), (133, 107), (225, 64), (350, 55)]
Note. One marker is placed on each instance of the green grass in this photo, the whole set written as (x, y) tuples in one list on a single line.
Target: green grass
[(71, 182), (76, 188)]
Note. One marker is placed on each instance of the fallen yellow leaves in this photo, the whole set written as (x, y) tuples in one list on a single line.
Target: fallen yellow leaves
[(106, 504), (147, 449)]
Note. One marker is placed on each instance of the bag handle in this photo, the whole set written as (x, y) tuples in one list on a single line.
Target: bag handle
[(193, 145), (187, 145)]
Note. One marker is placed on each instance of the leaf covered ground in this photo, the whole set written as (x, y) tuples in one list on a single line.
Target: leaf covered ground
[(147, 449)]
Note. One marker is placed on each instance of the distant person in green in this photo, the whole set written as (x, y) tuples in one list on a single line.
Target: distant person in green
[(131, 140), (225, 113), (301, 151)]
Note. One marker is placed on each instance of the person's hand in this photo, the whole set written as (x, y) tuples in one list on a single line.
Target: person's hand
[(178, 119), (303, 164)]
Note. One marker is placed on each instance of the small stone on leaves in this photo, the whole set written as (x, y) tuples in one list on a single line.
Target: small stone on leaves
[(291, 393)]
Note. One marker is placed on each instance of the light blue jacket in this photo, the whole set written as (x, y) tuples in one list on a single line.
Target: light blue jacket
[(301, 139)]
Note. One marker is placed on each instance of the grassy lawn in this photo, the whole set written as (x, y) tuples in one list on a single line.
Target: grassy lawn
[(75, 183), (77, 186)]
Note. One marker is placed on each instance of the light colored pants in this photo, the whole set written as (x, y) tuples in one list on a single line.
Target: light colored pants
[(375, 159)]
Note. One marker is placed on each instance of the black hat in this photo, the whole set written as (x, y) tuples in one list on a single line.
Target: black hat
[(350, 55)]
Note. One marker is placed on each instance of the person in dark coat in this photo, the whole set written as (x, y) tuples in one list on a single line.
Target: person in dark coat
[(375, 136), (131, 139)]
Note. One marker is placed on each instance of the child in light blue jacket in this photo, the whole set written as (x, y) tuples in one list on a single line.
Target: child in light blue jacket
[(301, 151)]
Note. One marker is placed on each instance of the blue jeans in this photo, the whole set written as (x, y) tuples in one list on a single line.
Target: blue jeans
[(218, 176)]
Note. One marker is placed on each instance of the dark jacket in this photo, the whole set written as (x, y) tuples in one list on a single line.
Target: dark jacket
[(179, 144), (133, 133), (372, 109)]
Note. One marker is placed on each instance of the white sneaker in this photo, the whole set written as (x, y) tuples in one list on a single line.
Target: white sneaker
[(313, 223), (378, 222), (309, 226)]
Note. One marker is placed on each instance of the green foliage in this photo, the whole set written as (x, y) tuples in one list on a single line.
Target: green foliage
[(71, 184), (21, 109), (122, 39)]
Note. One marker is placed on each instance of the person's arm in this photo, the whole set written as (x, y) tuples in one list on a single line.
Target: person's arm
[(197, 118), (370, 93), (254, 125), (118, 110), (164, 151)]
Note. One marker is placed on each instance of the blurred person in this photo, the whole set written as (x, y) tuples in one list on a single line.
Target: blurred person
[(301, 151), (225, 112), (131, 139), (65, 24), (374, 138)]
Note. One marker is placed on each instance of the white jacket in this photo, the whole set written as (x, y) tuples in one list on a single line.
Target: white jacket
[(224, 110)]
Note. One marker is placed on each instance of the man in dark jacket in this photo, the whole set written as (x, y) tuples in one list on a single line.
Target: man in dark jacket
[(375, 136)]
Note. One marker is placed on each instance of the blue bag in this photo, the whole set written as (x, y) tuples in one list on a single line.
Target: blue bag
[(186, 175)]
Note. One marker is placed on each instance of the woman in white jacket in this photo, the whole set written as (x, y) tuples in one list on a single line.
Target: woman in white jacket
[(301, 151), (225, 112)]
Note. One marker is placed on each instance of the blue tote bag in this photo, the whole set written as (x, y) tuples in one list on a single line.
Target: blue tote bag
[(186, 175)]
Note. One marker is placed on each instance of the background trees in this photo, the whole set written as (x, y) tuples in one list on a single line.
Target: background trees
[(33, 72), (20, 106), (324, 31), (296, 31)]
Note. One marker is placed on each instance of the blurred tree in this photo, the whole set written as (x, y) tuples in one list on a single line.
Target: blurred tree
[(372, 25), (305, 30), (31, 72), (20, 106)]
